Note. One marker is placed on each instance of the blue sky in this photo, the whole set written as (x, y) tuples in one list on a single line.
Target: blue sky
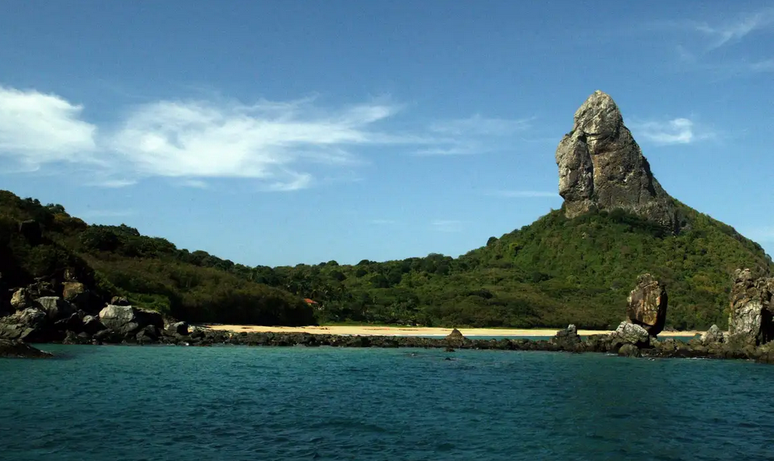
[(285, 132)]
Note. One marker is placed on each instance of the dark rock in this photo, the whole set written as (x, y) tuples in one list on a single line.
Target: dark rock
[(713, 335), (73, 323), (455, 335), (17, 349), (148, 335), (91, 324), (629, 350), (178, 328), (567, 339), (602, 167), (752, 309), (648, 304)]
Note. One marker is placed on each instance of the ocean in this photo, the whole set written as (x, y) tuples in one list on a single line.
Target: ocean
[(119, 403)]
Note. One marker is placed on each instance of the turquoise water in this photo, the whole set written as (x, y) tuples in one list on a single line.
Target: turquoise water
[(237, 403)]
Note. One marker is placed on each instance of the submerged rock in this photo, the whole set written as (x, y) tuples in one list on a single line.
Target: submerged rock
[(18, 349), (629, 350), (602, 167), (648, 304), (752, 308)]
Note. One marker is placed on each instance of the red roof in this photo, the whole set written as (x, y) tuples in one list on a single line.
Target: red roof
[(310, 301)]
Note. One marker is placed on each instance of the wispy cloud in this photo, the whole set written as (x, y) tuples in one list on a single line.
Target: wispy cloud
[(281, 145), (698, 47), (736, 30), (523, 194), (473, 135), (447, 225), (669, 132)]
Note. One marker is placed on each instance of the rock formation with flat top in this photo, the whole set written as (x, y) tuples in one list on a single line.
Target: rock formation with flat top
[(602, 167)]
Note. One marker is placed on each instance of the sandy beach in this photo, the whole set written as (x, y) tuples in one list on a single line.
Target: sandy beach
[(365, 330)]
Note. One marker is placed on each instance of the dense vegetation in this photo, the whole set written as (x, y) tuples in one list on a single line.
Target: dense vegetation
[(150, 272), (553, 272)]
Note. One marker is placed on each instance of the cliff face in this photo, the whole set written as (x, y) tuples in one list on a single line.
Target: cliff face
[(602, 167)]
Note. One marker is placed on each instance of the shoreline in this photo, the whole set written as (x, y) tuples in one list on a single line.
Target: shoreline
[(366, 330)]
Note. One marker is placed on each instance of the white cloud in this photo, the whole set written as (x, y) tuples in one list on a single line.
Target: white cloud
[(734, 31), (282, 145), (447, 225), (524, 194), (669, 132), (37, 128)]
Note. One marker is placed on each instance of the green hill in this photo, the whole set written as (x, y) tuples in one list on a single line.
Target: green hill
[(553, 272), (44, 242)]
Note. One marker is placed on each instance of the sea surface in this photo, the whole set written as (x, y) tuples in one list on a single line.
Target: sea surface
[(119, 403)]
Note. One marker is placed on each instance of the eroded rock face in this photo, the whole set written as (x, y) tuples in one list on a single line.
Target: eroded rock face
[(648, 304), (602, 167), (752, 309)]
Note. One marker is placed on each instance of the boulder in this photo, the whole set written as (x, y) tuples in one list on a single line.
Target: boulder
[(712, 335), (31, 324), (629, 350), (55, 307), (567, 339), (629, 333), (647, 304), (752, 307), (21, 299), (178, 328), (602, 167), (128, 320), (18, 349)]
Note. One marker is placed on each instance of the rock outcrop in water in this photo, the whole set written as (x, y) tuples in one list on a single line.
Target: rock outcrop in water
[(648, 304), (602, 167), (752, 309), (18, 349)]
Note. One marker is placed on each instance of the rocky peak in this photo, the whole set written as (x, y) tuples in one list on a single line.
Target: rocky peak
[(602, 167)]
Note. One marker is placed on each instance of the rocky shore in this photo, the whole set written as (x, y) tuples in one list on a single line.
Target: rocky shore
[(42, 315)]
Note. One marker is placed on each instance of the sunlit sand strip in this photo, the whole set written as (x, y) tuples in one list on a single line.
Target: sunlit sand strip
[(364, 330)]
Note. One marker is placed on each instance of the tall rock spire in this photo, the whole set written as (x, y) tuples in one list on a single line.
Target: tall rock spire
[(602, 167)]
